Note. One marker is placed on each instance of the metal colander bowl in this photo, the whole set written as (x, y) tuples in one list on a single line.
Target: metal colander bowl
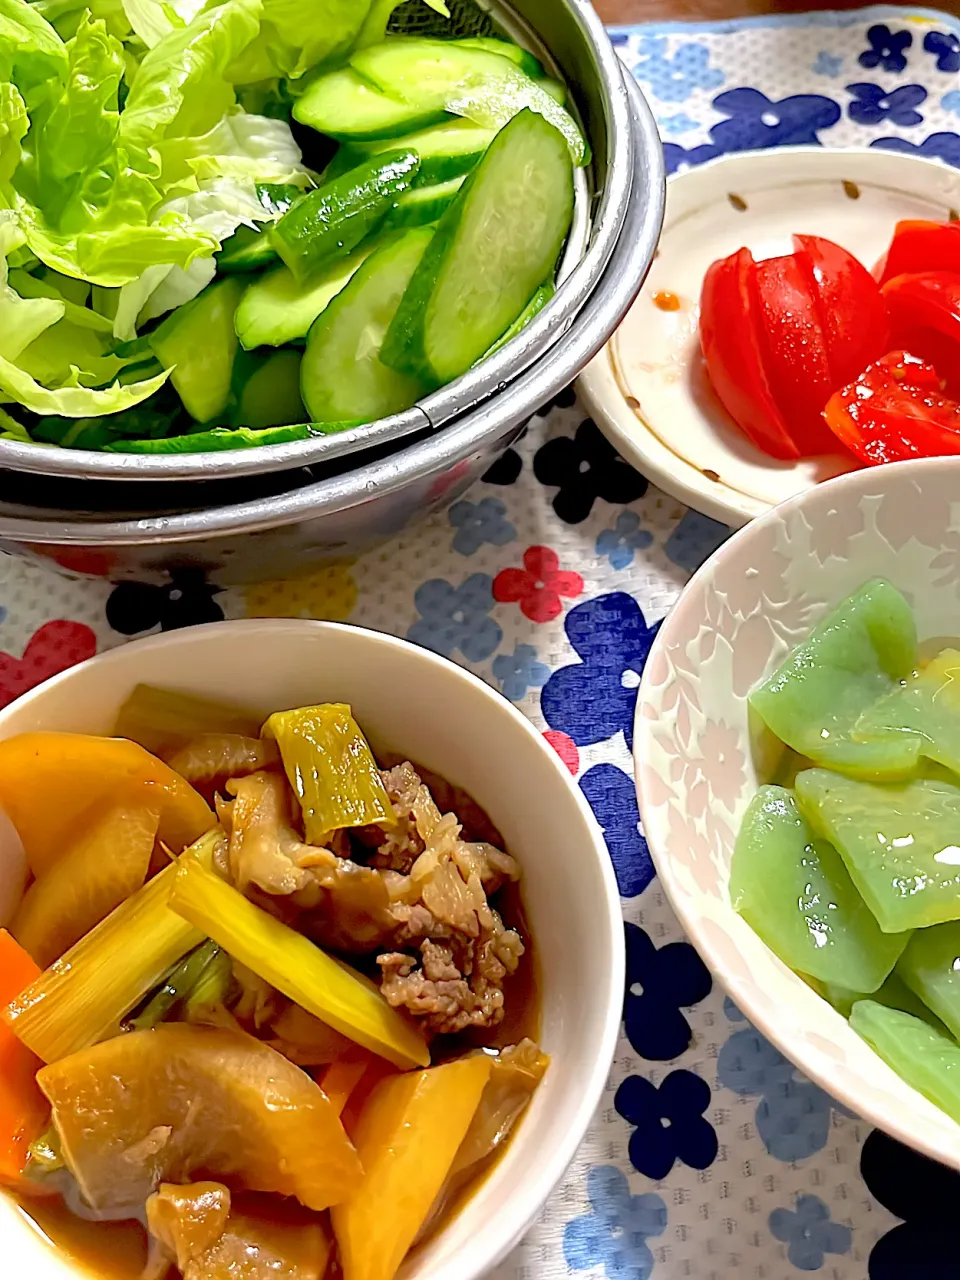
[(627, 165)]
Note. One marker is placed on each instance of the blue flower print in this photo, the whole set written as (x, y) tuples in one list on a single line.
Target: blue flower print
[(808, 1233), (669, 1123), (519, 671), (594, 699), (479, 523), (612, 796), (666, 980), (793, 1115), (924, 1194), (951, 102), (945, 46), (827, 64), (620, 543), (875, 105), (676, 78), (613, 1234), (938, 146), (694, 539), (756, 122), (680, 123), (886, 48), (454, 618)]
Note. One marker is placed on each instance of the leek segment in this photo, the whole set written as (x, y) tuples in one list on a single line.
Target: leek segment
[(162, 720), (83, 996), (331, 769), (331, 991)]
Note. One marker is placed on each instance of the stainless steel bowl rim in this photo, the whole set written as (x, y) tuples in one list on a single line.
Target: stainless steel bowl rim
[(438, 409), (604, 311)]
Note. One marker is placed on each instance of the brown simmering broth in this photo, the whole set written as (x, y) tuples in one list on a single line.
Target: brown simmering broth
[(118, 1250)]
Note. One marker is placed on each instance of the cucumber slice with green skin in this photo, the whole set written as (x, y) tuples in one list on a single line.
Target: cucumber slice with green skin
[(277, 309), (331, 221), (481, 271), (556, 90), (248, 249), (533, 308), (270, 396), (342, 376), (214, 440), (278, 197), (199, 341), (344, 105), (446, 151), (486, 88), (422, 205), (525, 60)]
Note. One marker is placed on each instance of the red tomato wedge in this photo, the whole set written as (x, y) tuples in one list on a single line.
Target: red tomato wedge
[(920, 246), (925, 319), (852, 311), (894, 411), (795, 352), (733, 353)]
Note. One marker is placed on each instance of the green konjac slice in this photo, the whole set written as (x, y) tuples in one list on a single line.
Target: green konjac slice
[(796, 893), (927, 1060), (858, 654), (930, 967), (926, 707), (900, 843)]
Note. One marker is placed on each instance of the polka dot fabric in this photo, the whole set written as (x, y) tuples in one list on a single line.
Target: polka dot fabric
[(710, 1157)]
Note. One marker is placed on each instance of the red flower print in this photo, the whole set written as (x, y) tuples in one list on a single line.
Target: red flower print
[(566, 749), (538, 586), (55, 647)]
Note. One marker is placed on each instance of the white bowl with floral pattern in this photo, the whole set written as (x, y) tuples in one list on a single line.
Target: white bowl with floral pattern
[(696, 767)]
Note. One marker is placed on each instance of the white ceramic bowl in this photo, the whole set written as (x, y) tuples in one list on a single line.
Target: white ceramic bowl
[(754, 600), (411, 701)]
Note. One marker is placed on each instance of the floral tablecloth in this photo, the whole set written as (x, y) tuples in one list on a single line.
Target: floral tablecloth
[(711, 1157)]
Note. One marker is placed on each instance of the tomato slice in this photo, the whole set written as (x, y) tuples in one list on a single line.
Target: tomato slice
[(795, 351), (852, 311), (895, 410), (733, 352), (920, 246), (925, 318)]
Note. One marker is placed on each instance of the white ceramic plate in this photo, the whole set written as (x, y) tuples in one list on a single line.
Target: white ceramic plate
[(647, 389)]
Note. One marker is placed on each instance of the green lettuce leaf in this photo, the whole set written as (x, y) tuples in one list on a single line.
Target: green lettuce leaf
[(181, 87), (295, 36), (28, 286), (73, 400), (22, 320), (14, 124), (153, 20), (375, 28), (240, 145), (32, 55)]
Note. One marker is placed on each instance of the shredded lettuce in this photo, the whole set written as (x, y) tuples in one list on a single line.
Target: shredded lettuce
[(22, 320), (295, 36), (152, 20), (181, 88)]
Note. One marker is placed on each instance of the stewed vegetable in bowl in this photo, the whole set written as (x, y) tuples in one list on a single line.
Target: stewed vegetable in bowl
[(305, 974), (798, 778)]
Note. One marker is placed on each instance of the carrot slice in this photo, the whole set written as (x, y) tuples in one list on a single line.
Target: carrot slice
[(23, 1108)]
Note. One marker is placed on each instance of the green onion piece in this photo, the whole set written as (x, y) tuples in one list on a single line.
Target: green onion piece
[(331, 991), (212, 988), (331, 769), (180, 983), (83, 996), (162, 720), (44, 1155)]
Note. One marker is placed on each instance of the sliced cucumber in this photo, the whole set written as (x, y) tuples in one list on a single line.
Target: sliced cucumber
[(198, 341), (342, 376), (270, 396), (423, 205), (276, 308), (214, 440), (344, 105), (528, 64), (446, 151), (248, 249), (485, 87), (556, 90), (332, 220), (480, 270), (533, 308), (278, 197)]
